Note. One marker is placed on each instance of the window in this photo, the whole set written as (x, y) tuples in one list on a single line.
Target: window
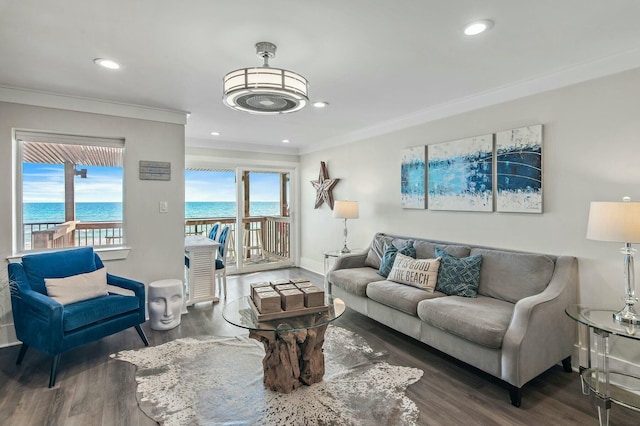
[(69, 191)]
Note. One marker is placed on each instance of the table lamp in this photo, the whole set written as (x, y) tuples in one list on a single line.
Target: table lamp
[(345, 210), (619, 222)]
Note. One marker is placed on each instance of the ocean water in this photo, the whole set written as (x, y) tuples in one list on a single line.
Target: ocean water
[(109, 212)]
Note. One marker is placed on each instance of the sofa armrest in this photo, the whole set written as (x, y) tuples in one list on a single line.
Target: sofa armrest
[(38, 320), (540, 333), (136, 286), (350, 260)]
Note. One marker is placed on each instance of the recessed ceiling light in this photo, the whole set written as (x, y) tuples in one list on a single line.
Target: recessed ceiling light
[(321, 104), (215, 133), (285, 141), (107, 63), (478, 27)]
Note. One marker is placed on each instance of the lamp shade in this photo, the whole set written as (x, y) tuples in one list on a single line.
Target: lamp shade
[(345, 209), (614, 221)]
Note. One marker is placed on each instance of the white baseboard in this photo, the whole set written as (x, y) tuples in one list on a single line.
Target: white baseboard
[(312, 265)]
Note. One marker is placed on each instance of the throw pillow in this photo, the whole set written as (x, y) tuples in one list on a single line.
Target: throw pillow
[(421, 273), (458, 277), (77, 287), (389, 257)]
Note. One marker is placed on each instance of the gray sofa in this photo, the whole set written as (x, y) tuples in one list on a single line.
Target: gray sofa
[(514, 329)]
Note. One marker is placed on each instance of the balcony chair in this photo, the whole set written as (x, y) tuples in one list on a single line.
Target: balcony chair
[(213, 233), (72, 311), (221, 261)]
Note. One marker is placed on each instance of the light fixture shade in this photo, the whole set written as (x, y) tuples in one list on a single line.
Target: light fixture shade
[(265, 90), (614, 221), (345, 209)]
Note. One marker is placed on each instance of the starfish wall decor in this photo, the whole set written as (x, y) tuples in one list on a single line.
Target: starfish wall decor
[(324, 186)]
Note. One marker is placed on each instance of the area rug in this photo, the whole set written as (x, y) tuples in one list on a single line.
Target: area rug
[(218, 381)]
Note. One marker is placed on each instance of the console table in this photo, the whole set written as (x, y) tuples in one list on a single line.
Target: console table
[(607, 386)]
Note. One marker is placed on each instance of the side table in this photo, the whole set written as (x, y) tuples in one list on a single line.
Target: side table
[(607, 386)]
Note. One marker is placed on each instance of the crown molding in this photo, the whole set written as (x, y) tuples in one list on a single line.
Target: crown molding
[(220, 144), (585, 71), (96, 106)]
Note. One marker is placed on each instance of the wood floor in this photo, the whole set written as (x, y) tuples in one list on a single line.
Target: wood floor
[(93, 389)]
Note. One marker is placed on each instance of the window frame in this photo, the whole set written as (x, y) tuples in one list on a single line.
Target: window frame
[(19, 136)]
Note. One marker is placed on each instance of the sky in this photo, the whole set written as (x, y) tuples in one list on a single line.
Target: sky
[(220, 186), (44, 183)]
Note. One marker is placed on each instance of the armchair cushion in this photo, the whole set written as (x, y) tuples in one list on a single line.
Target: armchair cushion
[(57, 265), (87, 312), (77, 287)]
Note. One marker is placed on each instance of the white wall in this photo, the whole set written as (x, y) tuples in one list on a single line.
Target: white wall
[(591, 152), (156, 240)]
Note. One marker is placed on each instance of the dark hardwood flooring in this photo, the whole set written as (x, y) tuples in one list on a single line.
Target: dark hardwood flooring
[(93, 389)]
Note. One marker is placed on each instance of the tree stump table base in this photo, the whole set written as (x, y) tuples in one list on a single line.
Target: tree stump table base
[(292, 358)]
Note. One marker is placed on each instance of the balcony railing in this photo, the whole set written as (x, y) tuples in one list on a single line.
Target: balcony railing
[(262, 237), (71, 234)]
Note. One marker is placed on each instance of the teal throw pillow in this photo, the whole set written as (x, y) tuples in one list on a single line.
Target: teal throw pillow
[(389, 256), (458, 277)]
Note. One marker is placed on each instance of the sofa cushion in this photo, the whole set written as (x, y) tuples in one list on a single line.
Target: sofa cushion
[(376, 250), (77, 287), (399, 296), (354, 280), (427, 249), (458, 277), (483, 320), (389, 257), (57, 264), (80, 314), (421, 273), (512, 276)]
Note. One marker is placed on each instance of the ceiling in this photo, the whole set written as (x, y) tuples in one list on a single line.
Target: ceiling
[(382, 65)]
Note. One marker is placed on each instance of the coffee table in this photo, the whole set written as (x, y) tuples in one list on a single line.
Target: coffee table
[(292, 346)]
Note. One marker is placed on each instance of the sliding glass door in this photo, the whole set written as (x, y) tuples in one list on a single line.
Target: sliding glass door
[(264, 218), (254, 202)]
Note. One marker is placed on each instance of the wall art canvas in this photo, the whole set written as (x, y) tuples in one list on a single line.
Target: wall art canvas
[(460, 175), (519, 170), (413, 178)]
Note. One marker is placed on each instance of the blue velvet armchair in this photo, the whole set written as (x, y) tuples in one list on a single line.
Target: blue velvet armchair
[(43, 323)]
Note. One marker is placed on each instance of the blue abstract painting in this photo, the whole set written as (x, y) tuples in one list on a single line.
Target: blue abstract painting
[(413, 178), (519, 170), (460, 174)]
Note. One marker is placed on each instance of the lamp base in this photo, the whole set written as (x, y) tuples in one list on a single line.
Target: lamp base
[(628, 314), (345, 250)]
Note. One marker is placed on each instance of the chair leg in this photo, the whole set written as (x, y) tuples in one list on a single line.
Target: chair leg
[(142, 335), (566, 364), (224, 284), (515, 394), (23, 350), (54, 370)]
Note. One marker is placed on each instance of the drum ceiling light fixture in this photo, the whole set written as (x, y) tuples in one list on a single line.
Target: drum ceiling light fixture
[(265, 90)]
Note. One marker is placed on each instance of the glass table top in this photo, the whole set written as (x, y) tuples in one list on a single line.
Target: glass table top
[(240, 313), (602, 319)]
